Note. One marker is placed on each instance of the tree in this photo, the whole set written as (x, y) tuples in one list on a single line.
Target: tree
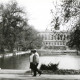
[(55, 23), (14, 29), (11, 24), (56, 26), (31, 39), (74, 38), (71, 8)]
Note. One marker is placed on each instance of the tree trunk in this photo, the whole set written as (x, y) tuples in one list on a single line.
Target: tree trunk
[(11, 48), (2, 50), (77, 51)]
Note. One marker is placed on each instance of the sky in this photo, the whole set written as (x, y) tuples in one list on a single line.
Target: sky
[(38, 12)]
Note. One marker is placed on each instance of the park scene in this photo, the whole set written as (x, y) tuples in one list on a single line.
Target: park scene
[(49, 29)]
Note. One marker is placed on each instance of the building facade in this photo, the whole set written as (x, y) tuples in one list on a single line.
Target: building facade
[(54, 39)]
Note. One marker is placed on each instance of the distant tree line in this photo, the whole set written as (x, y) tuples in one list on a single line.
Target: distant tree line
[(15, 33)]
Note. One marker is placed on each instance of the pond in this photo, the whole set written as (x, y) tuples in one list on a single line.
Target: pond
[(22, 62)]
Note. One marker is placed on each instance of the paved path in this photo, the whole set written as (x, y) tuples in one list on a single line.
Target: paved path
[(42, 77), (21, 75)]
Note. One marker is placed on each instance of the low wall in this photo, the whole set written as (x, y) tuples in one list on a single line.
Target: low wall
[(56, 52)]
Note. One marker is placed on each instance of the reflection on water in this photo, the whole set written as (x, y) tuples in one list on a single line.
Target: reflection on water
[(19, 62), (22, 62)]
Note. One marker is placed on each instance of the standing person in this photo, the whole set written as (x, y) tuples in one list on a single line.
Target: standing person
[(31, 61), (35, 63)]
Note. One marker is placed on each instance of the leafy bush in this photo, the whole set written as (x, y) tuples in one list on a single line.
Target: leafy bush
[(50, 66)]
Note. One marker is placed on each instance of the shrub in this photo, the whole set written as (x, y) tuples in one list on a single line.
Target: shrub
[(50, 66)]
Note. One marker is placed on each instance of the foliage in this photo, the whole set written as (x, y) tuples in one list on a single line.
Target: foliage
[(15, 33), (31, 39), (12, 24), (74, 38), (56, 26), (70, 8), (50, 66), (55, 20)]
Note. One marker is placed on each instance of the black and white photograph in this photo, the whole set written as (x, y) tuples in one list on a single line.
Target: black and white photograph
[(39, 39)]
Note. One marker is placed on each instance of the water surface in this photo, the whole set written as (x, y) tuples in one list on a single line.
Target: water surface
[(22, 62)]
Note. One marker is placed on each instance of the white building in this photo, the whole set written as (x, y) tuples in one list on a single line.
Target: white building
[(55, 39)]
